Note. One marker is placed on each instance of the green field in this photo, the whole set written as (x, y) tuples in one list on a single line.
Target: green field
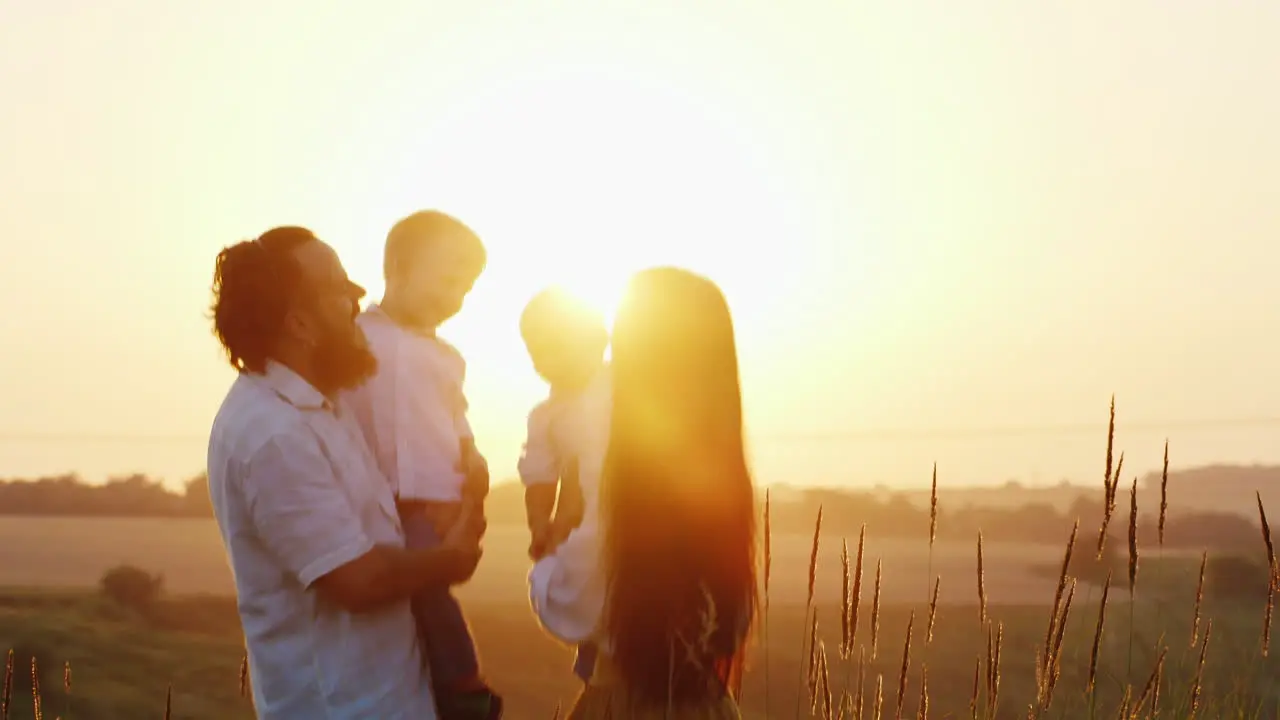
[(123, 663)]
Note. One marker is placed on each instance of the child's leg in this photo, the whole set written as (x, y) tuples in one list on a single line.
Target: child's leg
[(446, 640), (585, 662)]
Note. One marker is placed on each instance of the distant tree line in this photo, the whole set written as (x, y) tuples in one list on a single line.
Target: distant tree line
[(886, 514), (899, 516), (131, 496)]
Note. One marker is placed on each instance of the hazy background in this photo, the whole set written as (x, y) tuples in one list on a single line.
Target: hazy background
[(967, 224)]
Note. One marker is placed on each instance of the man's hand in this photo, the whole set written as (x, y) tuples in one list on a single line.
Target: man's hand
[(476, 471), (390, 572), (462, 543)]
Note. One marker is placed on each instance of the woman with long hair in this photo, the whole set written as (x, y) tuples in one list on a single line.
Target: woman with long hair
[(663, 577)]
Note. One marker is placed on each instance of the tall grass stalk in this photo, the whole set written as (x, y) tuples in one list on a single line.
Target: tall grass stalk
[(37, 704), (982, 587), (1164, 511), (1044, 665), (877, 703), (1273, 583), (768, 567), (905, 668), (820, 695), (922, 713), (1151, 690), (875, 610), (1133, 570), (1108, 481), (855, 602), (993, 667), (1197, 683), (933, 612), (973, 699), (808, 603), (812, 676), (1195, 619), (846, 595), (1055, 666), (1107, 474), (933, 529), (66, 691), (6, 698), (1097, 645), (1266, 535), (851, 601), (859, 699), (1273, 574)]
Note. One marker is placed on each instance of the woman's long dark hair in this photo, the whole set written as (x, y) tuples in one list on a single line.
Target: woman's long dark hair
[(677, 496)]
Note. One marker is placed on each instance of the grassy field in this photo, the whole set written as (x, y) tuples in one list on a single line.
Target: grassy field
[(123, 664), (74, 552)]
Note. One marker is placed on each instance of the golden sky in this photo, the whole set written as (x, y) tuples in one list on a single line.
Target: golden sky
[(955, 217)]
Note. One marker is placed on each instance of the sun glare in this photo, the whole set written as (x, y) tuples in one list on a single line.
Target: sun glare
[(579, 177)]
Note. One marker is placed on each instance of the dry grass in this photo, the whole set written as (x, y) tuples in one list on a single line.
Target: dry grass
[(1082, 664), (1188, 685)]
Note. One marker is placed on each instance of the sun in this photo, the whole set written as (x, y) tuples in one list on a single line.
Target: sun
[(579, 174), (580, 177)]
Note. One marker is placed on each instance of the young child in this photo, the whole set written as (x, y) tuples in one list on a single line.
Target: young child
[(413, 414), (568, 432)]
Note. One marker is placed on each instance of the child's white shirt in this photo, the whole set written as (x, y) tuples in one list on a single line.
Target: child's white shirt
[(566, 428), (567, 587), (413, 412)]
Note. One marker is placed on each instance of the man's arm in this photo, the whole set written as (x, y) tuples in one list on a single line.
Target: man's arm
[(389, 573), (305, 518)]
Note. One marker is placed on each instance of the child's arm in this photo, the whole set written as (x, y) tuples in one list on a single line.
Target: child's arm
[(569, 504), (538, 502), (540, 473)]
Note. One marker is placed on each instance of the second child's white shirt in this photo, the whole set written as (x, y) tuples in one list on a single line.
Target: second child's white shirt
[(564, 429)]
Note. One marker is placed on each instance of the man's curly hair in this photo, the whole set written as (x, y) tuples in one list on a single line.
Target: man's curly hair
[(254, 283)]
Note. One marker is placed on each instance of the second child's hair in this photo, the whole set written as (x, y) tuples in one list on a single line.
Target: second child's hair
[(553, 311), (677, 500), (412, 234)]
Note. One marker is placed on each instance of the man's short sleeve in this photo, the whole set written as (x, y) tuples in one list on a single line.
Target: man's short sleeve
[(301, 513)]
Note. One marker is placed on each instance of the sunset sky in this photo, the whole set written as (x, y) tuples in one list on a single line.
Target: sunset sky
[(949, 231)]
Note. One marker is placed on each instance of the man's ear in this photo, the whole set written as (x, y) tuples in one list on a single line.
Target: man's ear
[(298, 327)]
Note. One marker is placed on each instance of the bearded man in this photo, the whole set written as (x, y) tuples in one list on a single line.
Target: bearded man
[(322, 575)]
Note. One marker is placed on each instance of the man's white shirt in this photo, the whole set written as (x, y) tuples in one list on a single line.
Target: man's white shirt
[(297, 494)]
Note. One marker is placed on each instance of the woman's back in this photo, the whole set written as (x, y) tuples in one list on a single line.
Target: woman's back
[(677, 499), (663, 578)]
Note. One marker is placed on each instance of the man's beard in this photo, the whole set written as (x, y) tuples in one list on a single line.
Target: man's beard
[(342, 361)]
